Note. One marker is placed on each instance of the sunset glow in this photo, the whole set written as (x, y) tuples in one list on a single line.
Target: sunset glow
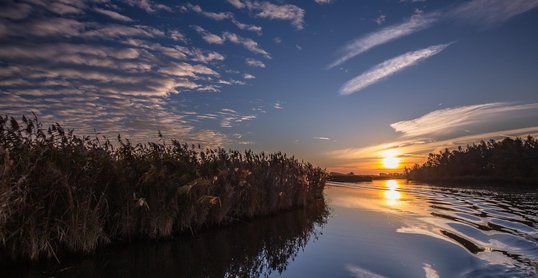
[(292, 76), (390, 160)]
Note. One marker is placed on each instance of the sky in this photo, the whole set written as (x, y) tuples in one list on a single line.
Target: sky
[(341, 84)]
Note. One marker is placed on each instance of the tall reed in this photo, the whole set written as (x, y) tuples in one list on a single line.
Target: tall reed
[(60, 192)]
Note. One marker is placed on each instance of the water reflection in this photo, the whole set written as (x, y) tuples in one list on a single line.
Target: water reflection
[(252, 249), (496, 231), (392, 196)]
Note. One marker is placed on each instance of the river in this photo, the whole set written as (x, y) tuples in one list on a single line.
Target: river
[(372, 229)]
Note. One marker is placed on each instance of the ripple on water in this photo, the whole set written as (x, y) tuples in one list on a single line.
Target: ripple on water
[(500, 229)]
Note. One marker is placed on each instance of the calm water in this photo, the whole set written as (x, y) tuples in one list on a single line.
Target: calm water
[(379, 229)]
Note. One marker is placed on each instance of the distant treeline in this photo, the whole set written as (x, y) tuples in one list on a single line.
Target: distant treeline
[(507, 160), (339, 177), (351, 177), (64, 193)]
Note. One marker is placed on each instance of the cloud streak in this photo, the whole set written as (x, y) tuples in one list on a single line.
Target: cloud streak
[(385, 35), (254, 63), (389, 68), (113, 15), (247, 43), (488, 12), (263, 9), (219, 16), (482, 12), (446, 120)]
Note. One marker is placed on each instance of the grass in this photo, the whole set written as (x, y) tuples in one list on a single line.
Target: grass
[(60, 192)]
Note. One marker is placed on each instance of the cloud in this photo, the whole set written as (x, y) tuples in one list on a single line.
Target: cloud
[(176, 35), (222, 16), (278, 105), (324, 2), (47, 27), (429, 271), (247, 43), (14, 11), (209, 37), (389, 68), (248, 76), (487, 12), (287, 12), (380, 19), (483, 12), (148, 5), (237, 3), (68, 64), (254, 63), (420, 136), (62, 7), (446, 120), (185, 69), (385, 35), (113, 15), (321, 138), (230, 117), (359, 272)]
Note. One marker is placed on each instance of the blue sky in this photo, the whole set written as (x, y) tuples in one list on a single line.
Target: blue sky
[(337, 83)]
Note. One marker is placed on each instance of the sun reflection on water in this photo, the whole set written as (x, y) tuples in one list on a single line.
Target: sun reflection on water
[(392, 197)]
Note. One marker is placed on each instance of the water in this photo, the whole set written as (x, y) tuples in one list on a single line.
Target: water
[(379, 229)]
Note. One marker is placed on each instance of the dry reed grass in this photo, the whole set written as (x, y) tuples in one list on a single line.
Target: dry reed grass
[(64, 193)]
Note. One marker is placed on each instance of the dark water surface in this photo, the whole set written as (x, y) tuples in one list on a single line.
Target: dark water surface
[(379, 229)]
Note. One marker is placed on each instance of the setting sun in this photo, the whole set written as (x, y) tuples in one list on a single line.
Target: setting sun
[(390, 160)]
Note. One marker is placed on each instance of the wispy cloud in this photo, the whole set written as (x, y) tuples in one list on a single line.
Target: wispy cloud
[(278, 105), (483, 12), (263, 9), (429, 271), (247, 43), (324, 2), (254, 63), (487, 12), (359, 272), (385, 35), (446, 120), (380, 19), (148, 5), (388, 68), (229, 117), (208, 36), (248, 76), (321, 138), (219, 16), (113, 15)]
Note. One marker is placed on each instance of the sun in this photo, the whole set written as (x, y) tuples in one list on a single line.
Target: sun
[(390, 159)]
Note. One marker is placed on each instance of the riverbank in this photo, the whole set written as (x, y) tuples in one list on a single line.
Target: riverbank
[(63, 194)]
